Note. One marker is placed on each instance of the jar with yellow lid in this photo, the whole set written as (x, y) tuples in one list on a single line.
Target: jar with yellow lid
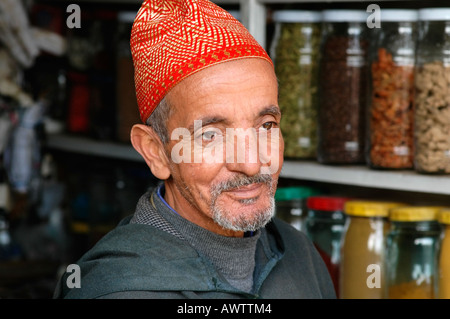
[(444, 255), (411, 247), (363, 249)]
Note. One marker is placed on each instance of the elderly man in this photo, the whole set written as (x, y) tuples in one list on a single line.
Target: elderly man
[(207, 93)]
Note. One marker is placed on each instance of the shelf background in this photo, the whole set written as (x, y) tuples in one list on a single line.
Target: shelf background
[(405, 180), (355, 175), (88, 146), (255, 15)]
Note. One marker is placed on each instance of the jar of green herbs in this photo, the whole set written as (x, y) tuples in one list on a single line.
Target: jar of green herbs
[(294, 49)]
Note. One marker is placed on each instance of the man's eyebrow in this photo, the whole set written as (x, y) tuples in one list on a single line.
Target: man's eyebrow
[(207, 121), (271, 110)]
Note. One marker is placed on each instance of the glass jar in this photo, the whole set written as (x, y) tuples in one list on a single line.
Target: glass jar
[(127, 109), (443, 268), (362, 265), (290, 204), (390, 140), (432, 97), (411, 247), (295, 51), (342, 87), (324, 225)]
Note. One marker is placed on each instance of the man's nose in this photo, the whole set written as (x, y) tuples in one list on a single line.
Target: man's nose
[(242, 154)]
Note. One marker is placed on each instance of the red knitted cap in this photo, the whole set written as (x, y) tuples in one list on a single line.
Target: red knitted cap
[(172, 39)]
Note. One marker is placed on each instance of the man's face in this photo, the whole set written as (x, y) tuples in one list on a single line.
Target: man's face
[(226, 150)]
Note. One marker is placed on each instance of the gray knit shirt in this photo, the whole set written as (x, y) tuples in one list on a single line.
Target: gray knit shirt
[(234, 258)]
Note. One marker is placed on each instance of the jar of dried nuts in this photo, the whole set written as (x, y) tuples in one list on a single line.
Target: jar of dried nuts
[(389, 143), (295, 51), (342, 87), (432, 96)]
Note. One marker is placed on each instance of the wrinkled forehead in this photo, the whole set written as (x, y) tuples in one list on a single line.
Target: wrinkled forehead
[(236, 88)]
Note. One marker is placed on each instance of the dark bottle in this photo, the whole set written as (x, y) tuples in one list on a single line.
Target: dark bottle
[(324, 225)]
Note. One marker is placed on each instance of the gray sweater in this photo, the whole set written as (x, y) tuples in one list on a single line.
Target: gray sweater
[(234, 258), (158, 254)]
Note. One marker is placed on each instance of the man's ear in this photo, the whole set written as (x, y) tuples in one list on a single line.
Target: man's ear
[(147, 143)]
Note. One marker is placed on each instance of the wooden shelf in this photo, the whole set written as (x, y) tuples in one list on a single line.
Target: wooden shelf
[(356, 175), (253, 15), (83, 145), (403, 180)]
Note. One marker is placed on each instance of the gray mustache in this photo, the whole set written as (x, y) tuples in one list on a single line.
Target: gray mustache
[(240, 181)]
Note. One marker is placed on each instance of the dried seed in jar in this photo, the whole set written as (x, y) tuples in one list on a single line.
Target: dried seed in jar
[(343, 88), (296, 66), (432, 118)]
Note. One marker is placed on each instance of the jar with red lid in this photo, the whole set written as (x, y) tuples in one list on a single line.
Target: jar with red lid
[(324, 225)]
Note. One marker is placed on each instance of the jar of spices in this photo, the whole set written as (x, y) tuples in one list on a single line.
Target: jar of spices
[(342, 87), (362, 268), (324, 225), (432, 97), (290, 204), (295, 52), (411, 246), (444, 255), (390, 142)]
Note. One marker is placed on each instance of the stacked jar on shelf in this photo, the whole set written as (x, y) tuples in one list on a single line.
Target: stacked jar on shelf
[(295, 51), (390, 111), (354, 95), (408, 123), (290, 204), (363, 249), (342, 87), (324, 225), (411, 252), (374, 249), (432, 98)]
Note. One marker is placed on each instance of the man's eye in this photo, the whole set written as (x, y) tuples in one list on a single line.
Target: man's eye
[(209, 136), (268, 125)]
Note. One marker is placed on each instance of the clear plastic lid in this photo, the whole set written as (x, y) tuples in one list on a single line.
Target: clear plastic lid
[(394, 15), (434, 14), (344, 15), (297, 16)]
